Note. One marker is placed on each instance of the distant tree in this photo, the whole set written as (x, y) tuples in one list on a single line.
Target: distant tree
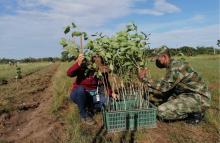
[(64, 56)]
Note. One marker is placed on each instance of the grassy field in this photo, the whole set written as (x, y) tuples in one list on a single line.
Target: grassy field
[(207, 66), (9, 72)]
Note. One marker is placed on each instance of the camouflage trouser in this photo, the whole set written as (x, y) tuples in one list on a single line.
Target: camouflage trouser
[(178, 106)]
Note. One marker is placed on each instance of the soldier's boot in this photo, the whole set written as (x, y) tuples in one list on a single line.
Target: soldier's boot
[(194, 118)]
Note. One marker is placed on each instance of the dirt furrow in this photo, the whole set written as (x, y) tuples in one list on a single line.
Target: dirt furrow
[(28, 119)]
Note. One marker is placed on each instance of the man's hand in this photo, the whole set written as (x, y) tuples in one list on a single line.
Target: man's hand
[(80, 59), (142, 72)]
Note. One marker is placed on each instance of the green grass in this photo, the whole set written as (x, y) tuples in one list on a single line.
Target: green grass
[(209, 69), (64, 108), (61, 87), (206, 66), (9, 72)]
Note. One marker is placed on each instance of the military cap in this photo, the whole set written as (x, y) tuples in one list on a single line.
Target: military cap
[(161, 50)]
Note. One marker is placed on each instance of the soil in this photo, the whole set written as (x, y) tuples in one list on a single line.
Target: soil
[(28, 120), (176, 132), (183, 132)]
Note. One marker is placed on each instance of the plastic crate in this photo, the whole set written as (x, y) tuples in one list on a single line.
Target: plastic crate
[(129, 116)]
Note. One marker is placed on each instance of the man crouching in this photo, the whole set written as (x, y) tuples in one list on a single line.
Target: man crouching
[(186, 94)]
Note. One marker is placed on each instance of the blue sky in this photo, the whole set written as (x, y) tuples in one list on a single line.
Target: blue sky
[(32, 28)]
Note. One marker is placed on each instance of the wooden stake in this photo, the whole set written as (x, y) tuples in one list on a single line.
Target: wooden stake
[(81, 43)]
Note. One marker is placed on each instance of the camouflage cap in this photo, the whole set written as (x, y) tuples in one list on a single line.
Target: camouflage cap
[(161, 50)]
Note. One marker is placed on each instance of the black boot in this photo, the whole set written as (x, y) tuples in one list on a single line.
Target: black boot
[(194, 117)]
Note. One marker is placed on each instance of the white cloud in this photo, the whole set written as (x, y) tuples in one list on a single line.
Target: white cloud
[(164, 6), (201, 36), (161, 7), (87, 13), (92, 12), (198, 17)]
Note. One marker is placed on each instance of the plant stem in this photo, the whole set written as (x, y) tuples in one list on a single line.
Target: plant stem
[(123, 94), (81, 44)]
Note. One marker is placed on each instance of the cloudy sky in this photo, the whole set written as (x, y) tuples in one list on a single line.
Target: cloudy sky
[(32, 28)]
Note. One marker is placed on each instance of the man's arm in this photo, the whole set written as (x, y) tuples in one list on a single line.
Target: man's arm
[(173, 77)]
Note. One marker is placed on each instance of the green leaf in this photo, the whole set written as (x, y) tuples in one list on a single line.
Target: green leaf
[(99, 73), (63, 42), (145, 35), (88, 57), (94, 65), (108, 55), (86, 38), (111, 67), (73, 25), (127, 63), (67, 29), (76, 33), (85, 35), (102, 53), (134, 26)]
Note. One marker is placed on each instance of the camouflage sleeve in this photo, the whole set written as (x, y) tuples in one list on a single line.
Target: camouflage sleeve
[(173, 77)]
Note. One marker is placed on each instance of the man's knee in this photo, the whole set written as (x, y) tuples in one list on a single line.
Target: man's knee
[(168, 111), (163, 111)]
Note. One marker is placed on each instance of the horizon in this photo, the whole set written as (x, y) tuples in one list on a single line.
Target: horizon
[(33, 28), (59, 56)]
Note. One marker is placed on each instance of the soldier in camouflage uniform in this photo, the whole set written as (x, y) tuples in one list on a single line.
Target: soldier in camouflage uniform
[(187, 94)]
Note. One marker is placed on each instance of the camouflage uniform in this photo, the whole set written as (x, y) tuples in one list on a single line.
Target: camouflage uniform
[(188, 92)]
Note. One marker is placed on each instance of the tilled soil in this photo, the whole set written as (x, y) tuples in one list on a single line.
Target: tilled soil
[(27, 118)]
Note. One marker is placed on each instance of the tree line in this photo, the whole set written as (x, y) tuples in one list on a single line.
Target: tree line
[(185, 50), (28, 60), (188, 51)]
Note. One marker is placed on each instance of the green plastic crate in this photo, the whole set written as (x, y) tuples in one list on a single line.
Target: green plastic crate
[(129, 116)]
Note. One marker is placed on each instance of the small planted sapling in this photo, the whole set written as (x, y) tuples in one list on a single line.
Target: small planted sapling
[(18, 73)]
